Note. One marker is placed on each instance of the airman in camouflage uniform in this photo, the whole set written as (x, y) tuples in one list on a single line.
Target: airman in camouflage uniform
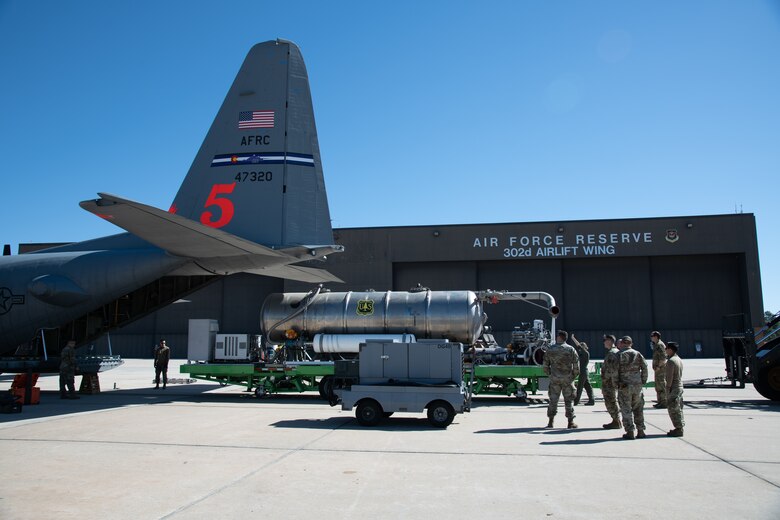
[(609, 382), (674, 390), (659, 369), (68, 371), (161, 357), (562, 364), (632, 374), (582, 380)]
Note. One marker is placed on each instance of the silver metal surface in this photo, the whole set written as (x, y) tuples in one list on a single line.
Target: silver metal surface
[(453, 315), (350, 343)]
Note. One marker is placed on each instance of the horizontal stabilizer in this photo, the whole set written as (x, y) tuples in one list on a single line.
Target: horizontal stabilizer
[(298, 273), (177, 235)]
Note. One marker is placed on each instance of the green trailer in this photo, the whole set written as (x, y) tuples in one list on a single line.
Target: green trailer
[(265, 378)]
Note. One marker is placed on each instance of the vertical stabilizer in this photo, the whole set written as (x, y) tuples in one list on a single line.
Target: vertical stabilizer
[(258, 174)]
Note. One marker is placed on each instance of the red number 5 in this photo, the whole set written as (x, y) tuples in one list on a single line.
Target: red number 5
[(225, 205)]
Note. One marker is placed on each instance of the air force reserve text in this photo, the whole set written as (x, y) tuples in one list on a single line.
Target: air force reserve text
[(594, 244)]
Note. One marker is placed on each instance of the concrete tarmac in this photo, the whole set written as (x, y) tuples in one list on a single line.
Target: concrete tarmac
[(199, 450)]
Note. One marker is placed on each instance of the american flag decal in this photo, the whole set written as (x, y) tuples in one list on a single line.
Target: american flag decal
[(256, 119)]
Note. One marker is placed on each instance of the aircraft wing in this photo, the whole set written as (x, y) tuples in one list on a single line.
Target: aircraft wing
[(296, 272), (173, 233)]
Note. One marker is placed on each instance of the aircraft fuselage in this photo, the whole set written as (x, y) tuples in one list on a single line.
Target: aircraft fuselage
[(48, 289)]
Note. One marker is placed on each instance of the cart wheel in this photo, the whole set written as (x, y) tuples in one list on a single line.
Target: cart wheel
[(260, 391), (368, 412), (440, 414)]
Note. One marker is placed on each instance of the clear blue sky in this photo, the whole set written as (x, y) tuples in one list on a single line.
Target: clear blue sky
[(428, 112)]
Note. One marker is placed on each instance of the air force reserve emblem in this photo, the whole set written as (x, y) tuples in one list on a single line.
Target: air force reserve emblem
[(672, 236), (365, 307)]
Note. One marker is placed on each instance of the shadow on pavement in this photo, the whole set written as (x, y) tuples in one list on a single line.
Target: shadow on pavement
[(541, 430), (389, 424), (762, 405), (617, 437), (52, 406), (477, 401)]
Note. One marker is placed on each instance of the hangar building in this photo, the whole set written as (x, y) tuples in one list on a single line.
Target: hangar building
[(679, 275)]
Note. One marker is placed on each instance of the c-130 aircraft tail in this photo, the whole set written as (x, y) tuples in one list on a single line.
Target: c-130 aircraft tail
[(262, 154), (253, 201), (257, 176)]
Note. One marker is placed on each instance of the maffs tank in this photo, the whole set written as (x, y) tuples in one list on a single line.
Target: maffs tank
[(453, 315)]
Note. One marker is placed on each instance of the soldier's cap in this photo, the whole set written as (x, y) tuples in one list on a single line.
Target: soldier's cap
[(672, 345), (655, 333), (609, 336), (627, 339)]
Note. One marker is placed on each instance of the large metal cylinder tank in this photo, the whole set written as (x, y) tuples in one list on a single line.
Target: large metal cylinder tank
[(453, 315), (350, 343)]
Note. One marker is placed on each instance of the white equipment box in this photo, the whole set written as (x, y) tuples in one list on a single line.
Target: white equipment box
[(231, 347), (200, 339)]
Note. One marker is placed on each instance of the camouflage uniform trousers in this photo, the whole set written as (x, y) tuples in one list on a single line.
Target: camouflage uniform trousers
[(632, 404), (558, 386), (583, 382), (674, 406), (161, 369), (67, 382), (660, 385), (609, 392)]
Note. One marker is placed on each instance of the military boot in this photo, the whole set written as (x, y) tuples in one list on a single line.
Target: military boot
[(629, 435), (677, 432), (549, 423), (572, 425), (640, 434), (614, 425)]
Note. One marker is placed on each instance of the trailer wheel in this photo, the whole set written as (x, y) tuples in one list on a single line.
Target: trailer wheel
[(767, 382), (326, 387), (260, 391), (369, 412), (440, 414)]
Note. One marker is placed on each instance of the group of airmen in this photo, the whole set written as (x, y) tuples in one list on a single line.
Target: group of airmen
[(623, 376)]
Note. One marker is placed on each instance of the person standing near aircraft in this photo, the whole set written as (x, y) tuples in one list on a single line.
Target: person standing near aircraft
[(68, 371), (674, 390), (582, 380), (161, 357), (562, 365), (632, 375), (659, 369), (609, 382)]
